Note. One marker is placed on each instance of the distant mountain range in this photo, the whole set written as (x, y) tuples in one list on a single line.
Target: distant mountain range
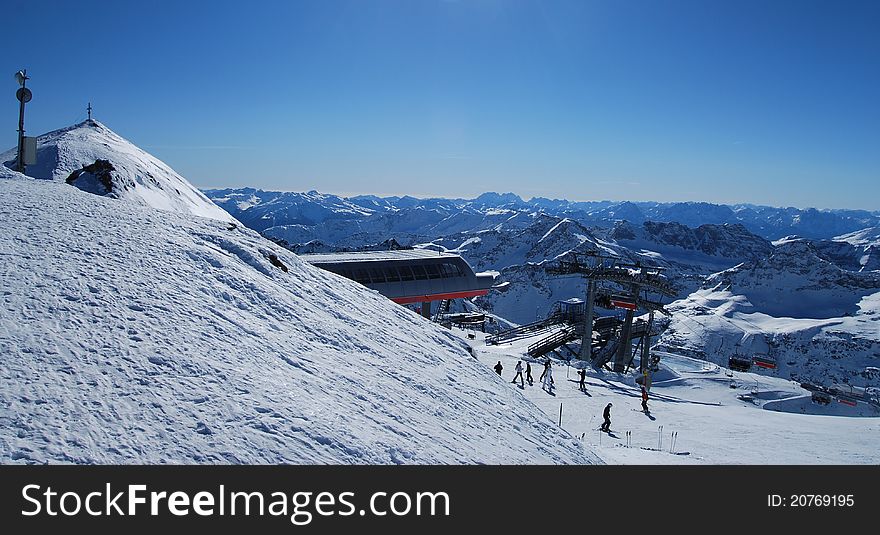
[(263, 210)]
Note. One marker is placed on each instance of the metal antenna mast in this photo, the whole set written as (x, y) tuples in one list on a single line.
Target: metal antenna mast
[(23, 95)]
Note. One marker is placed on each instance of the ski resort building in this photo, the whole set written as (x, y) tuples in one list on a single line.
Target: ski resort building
[(410, 275)]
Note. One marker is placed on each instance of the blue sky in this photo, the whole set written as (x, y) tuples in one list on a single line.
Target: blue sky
[(770, 102)]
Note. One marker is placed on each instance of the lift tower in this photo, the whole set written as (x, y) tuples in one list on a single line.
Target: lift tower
[(634, 282)]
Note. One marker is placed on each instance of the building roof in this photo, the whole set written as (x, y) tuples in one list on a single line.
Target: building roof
[(408, 275), (374, 256)]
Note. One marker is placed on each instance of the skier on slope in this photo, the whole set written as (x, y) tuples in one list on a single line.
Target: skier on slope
[(498, 368), (606, 425), (645, 400), (519, 374), (548, 380), (546, 367), (529, 373), (583, 374)]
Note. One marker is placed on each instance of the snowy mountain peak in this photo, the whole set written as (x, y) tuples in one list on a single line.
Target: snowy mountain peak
[(94, 158), (800, 250), (624, 211), (497, 200), (259, 209)]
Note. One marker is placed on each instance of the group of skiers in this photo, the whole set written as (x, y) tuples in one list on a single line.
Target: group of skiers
[(547, 384), (546, 377)]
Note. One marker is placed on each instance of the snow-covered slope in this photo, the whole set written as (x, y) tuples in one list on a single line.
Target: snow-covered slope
[(820, 322), (93, 158), (865, 238), (856, 251), (700, 413), (134, 335)]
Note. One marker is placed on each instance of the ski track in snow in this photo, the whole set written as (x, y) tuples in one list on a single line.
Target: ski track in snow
[(133, 335)]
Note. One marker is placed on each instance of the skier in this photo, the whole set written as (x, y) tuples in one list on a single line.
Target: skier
[(529, 374), (498, 368), (606, 425), (645, 400), (583, 374), (548, 380), (546, 367), (519, 374)]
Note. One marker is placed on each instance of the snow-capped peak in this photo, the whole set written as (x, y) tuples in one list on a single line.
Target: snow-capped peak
[(94, 158)]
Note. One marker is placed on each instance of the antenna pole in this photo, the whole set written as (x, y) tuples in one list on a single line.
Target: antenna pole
[(89, 109), (20, 163)]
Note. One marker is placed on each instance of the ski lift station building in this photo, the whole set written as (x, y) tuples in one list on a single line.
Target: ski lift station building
[(409, 275)]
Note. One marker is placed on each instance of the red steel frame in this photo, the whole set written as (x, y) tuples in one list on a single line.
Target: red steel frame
[(438, 297)]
